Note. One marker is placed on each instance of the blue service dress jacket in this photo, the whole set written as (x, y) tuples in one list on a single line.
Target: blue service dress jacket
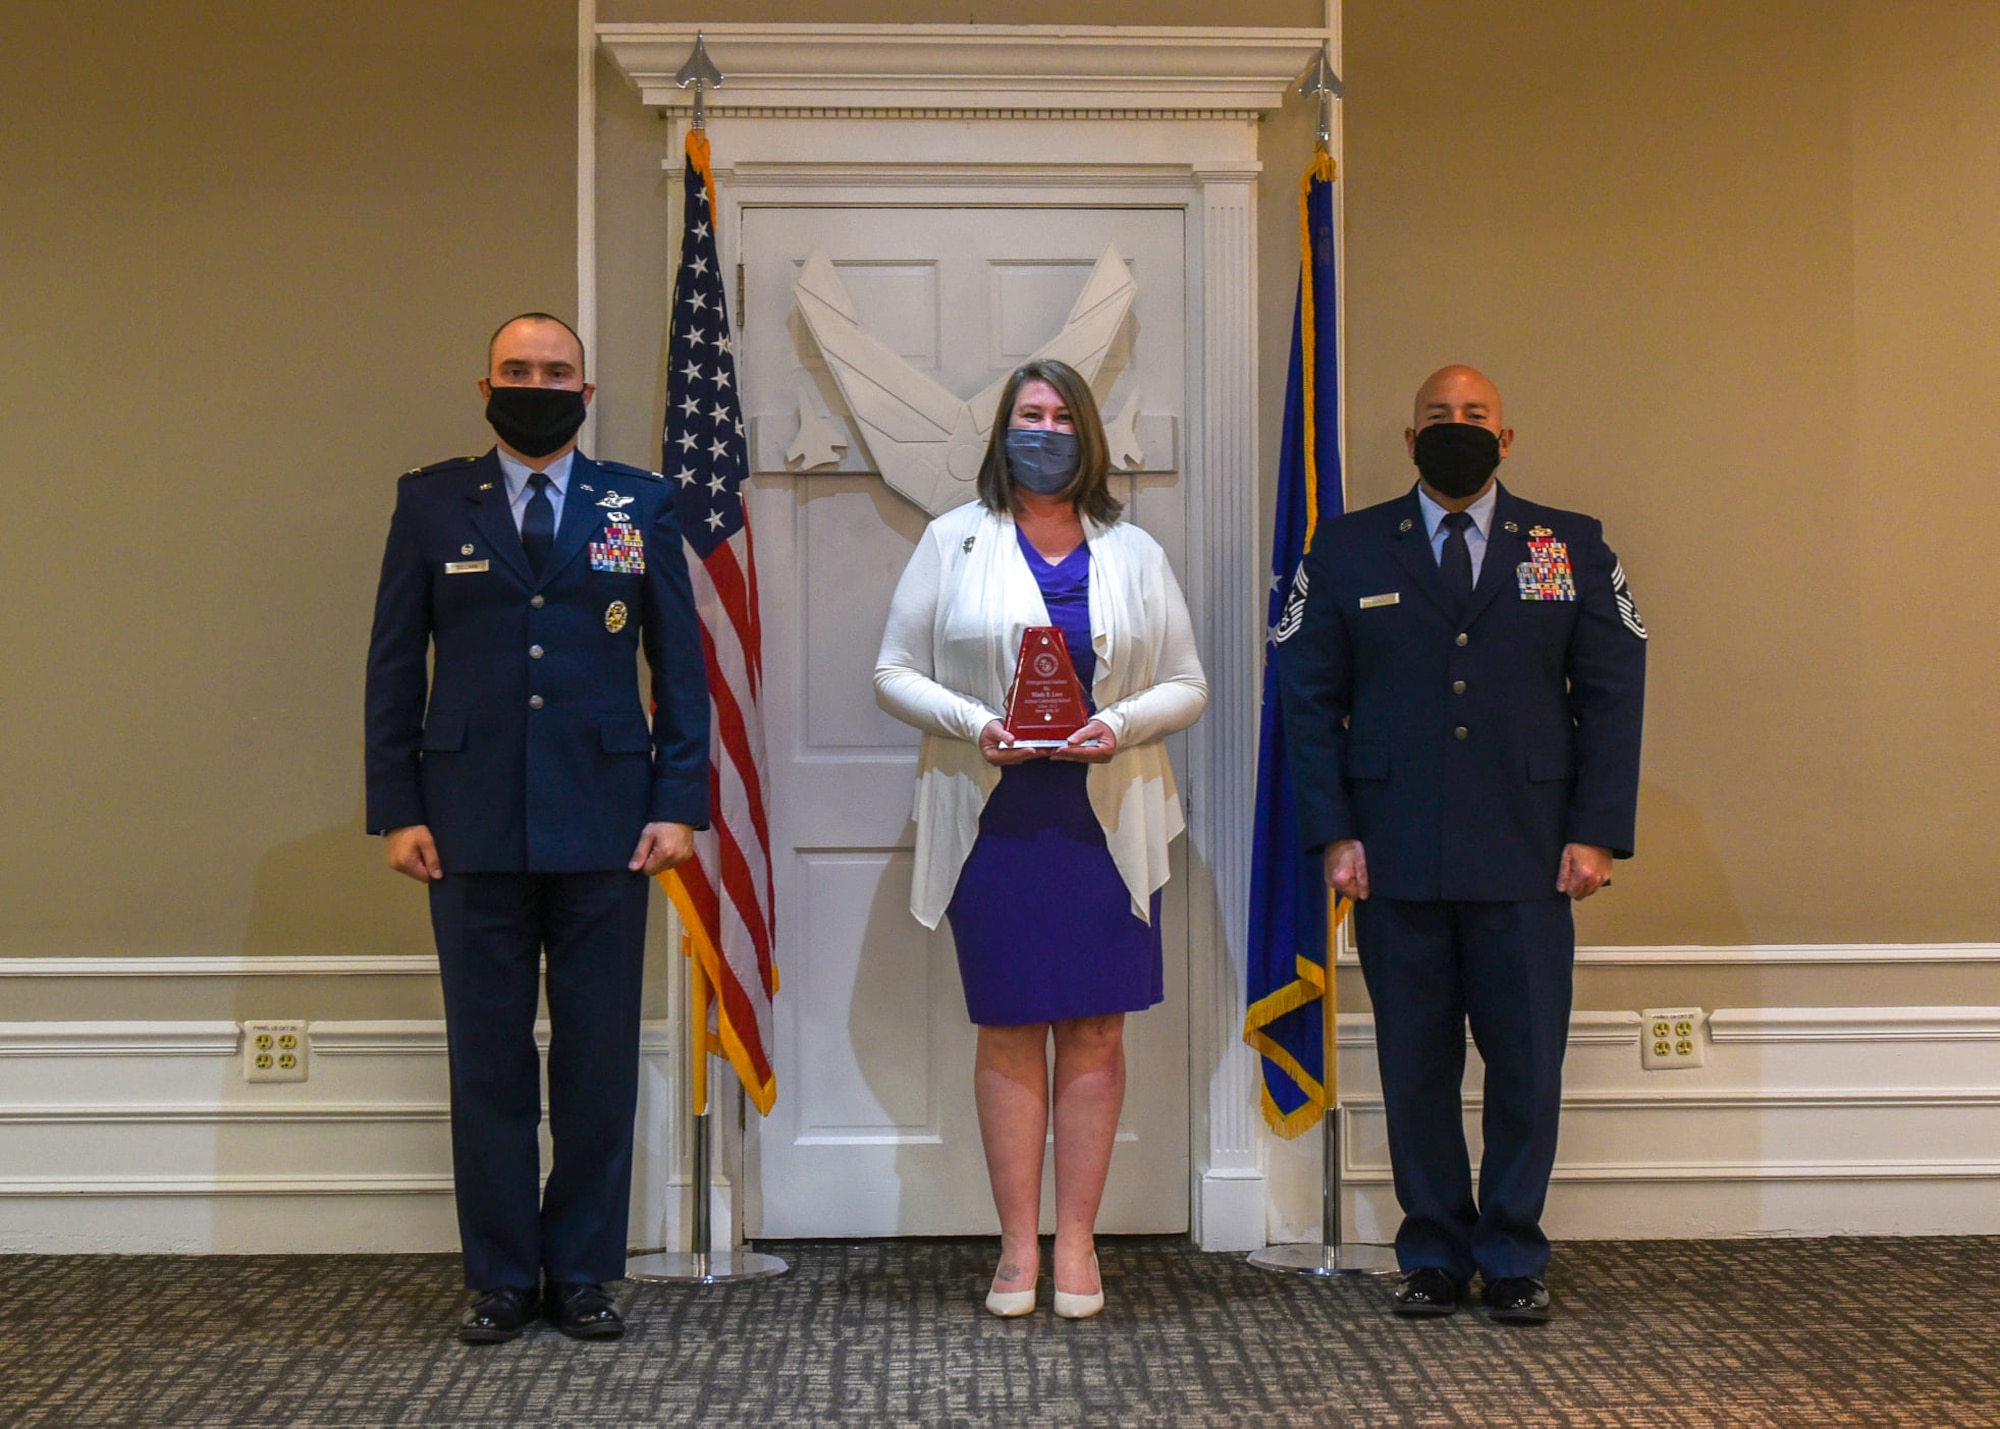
[(1464, 748), (533, 752)]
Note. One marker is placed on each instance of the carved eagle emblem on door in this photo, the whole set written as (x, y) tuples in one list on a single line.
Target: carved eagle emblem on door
[(926, 440)]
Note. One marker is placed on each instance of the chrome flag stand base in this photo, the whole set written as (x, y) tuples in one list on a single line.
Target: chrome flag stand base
[(702, 1266), (714, 1268), (1331, 1256), (1306, 1258)]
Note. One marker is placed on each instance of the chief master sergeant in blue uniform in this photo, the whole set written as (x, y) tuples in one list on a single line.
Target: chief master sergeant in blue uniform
[(1464, 678), (531, 795)]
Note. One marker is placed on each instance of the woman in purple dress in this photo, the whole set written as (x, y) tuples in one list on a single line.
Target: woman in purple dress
[(1048, 864)]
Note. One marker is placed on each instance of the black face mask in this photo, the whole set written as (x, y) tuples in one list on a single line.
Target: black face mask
[(534, 421), (1456, 457)]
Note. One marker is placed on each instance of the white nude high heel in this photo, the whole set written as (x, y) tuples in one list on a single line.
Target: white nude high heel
[(1081, 1307), (1010, 1304)]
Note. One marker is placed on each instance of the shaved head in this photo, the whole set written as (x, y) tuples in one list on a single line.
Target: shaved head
[(1456, 388), (540, 335)]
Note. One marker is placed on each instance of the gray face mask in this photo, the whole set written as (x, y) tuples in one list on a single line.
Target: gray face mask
[(1041, 461)]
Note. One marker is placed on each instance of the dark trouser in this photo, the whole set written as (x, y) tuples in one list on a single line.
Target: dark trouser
[(1506, 967), (492, 929)]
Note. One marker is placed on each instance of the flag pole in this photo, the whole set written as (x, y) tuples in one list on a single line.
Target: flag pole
[(1332, 1256), (700, 1263)]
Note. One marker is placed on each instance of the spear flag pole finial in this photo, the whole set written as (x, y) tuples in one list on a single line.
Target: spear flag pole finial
[(1319, 79), (699, 71)]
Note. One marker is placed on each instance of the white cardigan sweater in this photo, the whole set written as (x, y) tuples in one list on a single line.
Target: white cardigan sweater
[(947, 660)]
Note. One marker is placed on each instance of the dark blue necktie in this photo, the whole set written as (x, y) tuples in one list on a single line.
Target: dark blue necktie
[(1457, 558), (538, 522)]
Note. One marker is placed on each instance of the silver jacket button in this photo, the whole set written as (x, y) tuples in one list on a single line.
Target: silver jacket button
[(537, 602), (534, 652), (534, 702)]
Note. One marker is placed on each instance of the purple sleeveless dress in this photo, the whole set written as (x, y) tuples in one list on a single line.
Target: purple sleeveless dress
[(1042, 920)]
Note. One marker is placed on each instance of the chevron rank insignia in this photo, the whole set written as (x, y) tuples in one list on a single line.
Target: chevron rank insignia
[(1628, 611)]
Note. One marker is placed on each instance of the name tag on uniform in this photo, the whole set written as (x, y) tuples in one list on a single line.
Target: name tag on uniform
[(463, 568), (1370, 602)]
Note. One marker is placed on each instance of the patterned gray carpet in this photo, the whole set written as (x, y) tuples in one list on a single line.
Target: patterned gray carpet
[(891, 1332)]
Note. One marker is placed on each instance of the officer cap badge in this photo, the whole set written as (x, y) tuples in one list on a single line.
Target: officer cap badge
[(614, 616)]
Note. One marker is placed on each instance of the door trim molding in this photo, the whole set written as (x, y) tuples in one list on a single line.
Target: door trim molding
[(1019, 71)]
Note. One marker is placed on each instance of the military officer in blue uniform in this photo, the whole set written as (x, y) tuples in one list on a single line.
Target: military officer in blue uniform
[(1464, 679), (518, 777)]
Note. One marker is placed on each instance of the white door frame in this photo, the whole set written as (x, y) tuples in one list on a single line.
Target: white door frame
[(885, 115)]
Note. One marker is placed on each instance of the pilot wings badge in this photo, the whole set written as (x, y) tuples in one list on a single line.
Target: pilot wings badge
[(927, 441)]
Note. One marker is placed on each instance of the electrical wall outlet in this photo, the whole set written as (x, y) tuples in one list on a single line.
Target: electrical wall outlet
[(1671, 1038), (274, 1051)]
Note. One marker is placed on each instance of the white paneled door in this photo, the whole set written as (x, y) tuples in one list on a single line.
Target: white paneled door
[(874, 1131)]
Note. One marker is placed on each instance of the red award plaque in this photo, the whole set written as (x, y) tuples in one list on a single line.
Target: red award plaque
[(1046, 705)]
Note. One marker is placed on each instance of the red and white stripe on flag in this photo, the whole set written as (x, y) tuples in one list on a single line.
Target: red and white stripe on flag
[(723, 893)]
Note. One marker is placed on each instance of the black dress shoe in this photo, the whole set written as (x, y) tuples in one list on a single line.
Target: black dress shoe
[(1517, 1300), (1428, 1291), (496, 1316), (584, 1312)]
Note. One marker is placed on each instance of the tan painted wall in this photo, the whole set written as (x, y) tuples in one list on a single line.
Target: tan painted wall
[(252, 253), (1734, 269), (1734, 266)]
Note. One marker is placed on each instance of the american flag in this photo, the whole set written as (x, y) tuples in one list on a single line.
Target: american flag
[(723, 893)]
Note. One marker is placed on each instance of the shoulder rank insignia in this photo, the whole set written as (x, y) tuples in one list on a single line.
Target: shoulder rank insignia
[(1293, 615), (617, 500), (447, 464), (1628, 610), (618, 468)]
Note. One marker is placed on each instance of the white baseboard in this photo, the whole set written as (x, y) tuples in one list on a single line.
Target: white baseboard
[(1229, 1210), (144, 1136), (1803, 1121)]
